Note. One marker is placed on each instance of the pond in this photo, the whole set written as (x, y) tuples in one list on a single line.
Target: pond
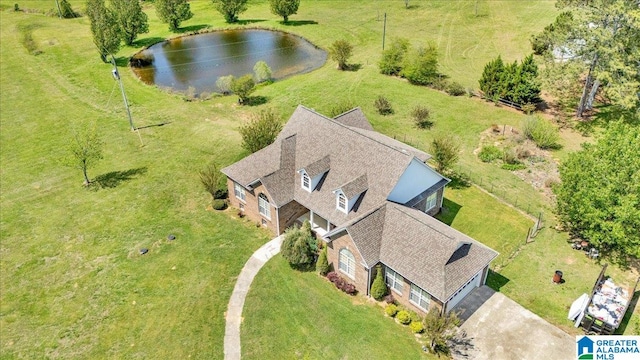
[(197, 61)]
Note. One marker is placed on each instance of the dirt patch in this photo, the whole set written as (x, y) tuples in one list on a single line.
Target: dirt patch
[(540, 168)]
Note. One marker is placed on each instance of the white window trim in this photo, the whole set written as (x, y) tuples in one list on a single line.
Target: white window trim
[(396, 279), (304, 176), (432, 198), (340, 195), (266, 206), (422, 296), (350, 267), (239, 192)]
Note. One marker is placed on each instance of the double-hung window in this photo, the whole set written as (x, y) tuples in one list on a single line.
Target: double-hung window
[(306, 181), (263, 206), (431, 201), (239, 192), (394, 280), (341, 202), (419, 297), (347, 263)]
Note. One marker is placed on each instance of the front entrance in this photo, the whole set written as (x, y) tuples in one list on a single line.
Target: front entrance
[(319, 224)]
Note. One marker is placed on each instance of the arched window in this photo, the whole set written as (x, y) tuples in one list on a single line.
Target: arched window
[(347, 263), (263, 206), (341, 202)]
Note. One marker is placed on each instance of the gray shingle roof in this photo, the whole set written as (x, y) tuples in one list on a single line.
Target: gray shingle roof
[(430, 254), (354, 118), (318, 167), (355, 187)]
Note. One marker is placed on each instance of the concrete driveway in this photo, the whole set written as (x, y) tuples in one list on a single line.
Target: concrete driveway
[(498, 328)]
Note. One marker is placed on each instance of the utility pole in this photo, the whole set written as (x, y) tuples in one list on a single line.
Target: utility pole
[(384, 30), (59, 12), (116, 76)]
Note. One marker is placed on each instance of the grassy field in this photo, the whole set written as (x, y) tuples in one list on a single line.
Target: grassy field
[(71, 282)]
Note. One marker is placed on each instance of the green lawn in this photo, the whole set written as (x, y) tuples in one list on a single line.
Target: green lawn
[(293, 315), (70, 272)]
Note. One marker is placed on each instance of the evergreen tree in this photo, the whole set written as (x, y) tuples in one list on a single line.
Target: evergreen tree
[(132, 20), (104, 28), (379, 287), (66, 10), (490, 81), (284, 8), (173, 12), (528, 88), (509, 80), (295, 246), (230, 9), (322, 266)]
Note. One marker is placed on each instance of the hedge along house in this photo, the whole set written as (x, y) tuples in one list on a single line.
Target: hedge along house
[(370, 198)]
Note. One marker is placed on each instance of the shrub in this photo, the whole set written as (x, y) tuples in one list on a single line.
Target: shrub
[(211, 179), (528, 108), (489, 153), (421, 117), (414, 316), (261, 130), (392, 58), (16, 7), (379, 288), (420, 67), (349, 288), (455, 89), (541, 132), (513, 167), (391, 310), (509, 156), (222, 193), (340, 108), (322, 266), (416, 327), (262, 72), (224, 84), (446, 152), (340, 51), (440, 83), (296, 248), (243, 87), (332, 276), (219, 204), (522, 153), (403, 317), (389, 299), (383, 105)]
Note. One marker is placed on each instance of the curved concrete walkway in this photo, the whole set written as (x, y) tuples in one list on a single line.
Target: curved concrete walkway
[(234, 311)]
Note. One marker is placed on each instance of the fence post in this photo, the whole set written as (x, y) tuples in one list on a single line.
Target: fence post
[(526, 240)]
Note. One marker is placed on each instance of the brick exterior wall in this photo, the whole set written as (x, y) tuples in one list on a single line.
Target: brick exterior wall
[(250, 206), (433, 212), (403, 298), (361, 273)]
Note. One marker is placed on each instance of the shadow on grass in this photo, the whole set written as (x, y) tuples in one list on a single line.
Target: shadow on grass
[(146, 42), (115, 178), (154, 125), (121, 61), (496, 281), (627, 316), (256, 100), (191, 28), (249, 21), (449, 211), (458, 180), (353, 67), (299, 22)]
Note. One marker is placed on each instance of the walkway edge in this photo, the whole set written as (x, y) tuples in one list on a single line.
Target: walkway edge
[(233, 315)]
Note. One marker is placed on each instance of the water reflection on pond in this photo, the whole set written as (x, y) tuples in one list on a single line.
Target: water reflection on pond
[(198, 61)]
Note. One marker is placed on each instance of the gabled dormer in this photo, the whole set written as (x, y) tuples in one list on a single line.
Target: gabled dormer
[(348, 194), (312, 174)]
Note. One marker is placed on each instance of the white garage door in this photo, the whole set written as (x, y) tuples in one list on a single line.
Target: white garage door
[(464, 291)]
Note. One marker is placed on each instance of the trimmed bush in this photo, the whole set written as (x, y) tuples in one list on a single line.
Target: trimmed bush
[(489, 153), (416, 327), (541, 132), (403, 317), (389, 299), (332, 276), (414, 316), (513, 167), (455, 89), (379, 288), (322, 266), (421, 117), (349, 288), (219, 204), (391, 310), (383, 105)]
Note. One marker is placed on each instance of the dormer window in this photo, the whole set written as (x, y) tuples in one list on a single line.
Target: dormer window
[(341, 202), (306, 181)]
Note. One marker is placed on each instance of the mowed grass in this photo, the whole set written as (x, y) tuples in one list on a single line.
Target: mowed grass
[(70, 272), (291, 315)]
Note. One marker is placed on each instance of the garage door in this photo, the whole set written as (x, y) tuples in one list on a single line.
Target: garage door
[(464, 291)]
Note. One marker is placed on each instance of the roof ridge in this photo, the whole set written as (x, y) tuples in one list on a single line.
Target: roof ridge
[(350, 128)]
